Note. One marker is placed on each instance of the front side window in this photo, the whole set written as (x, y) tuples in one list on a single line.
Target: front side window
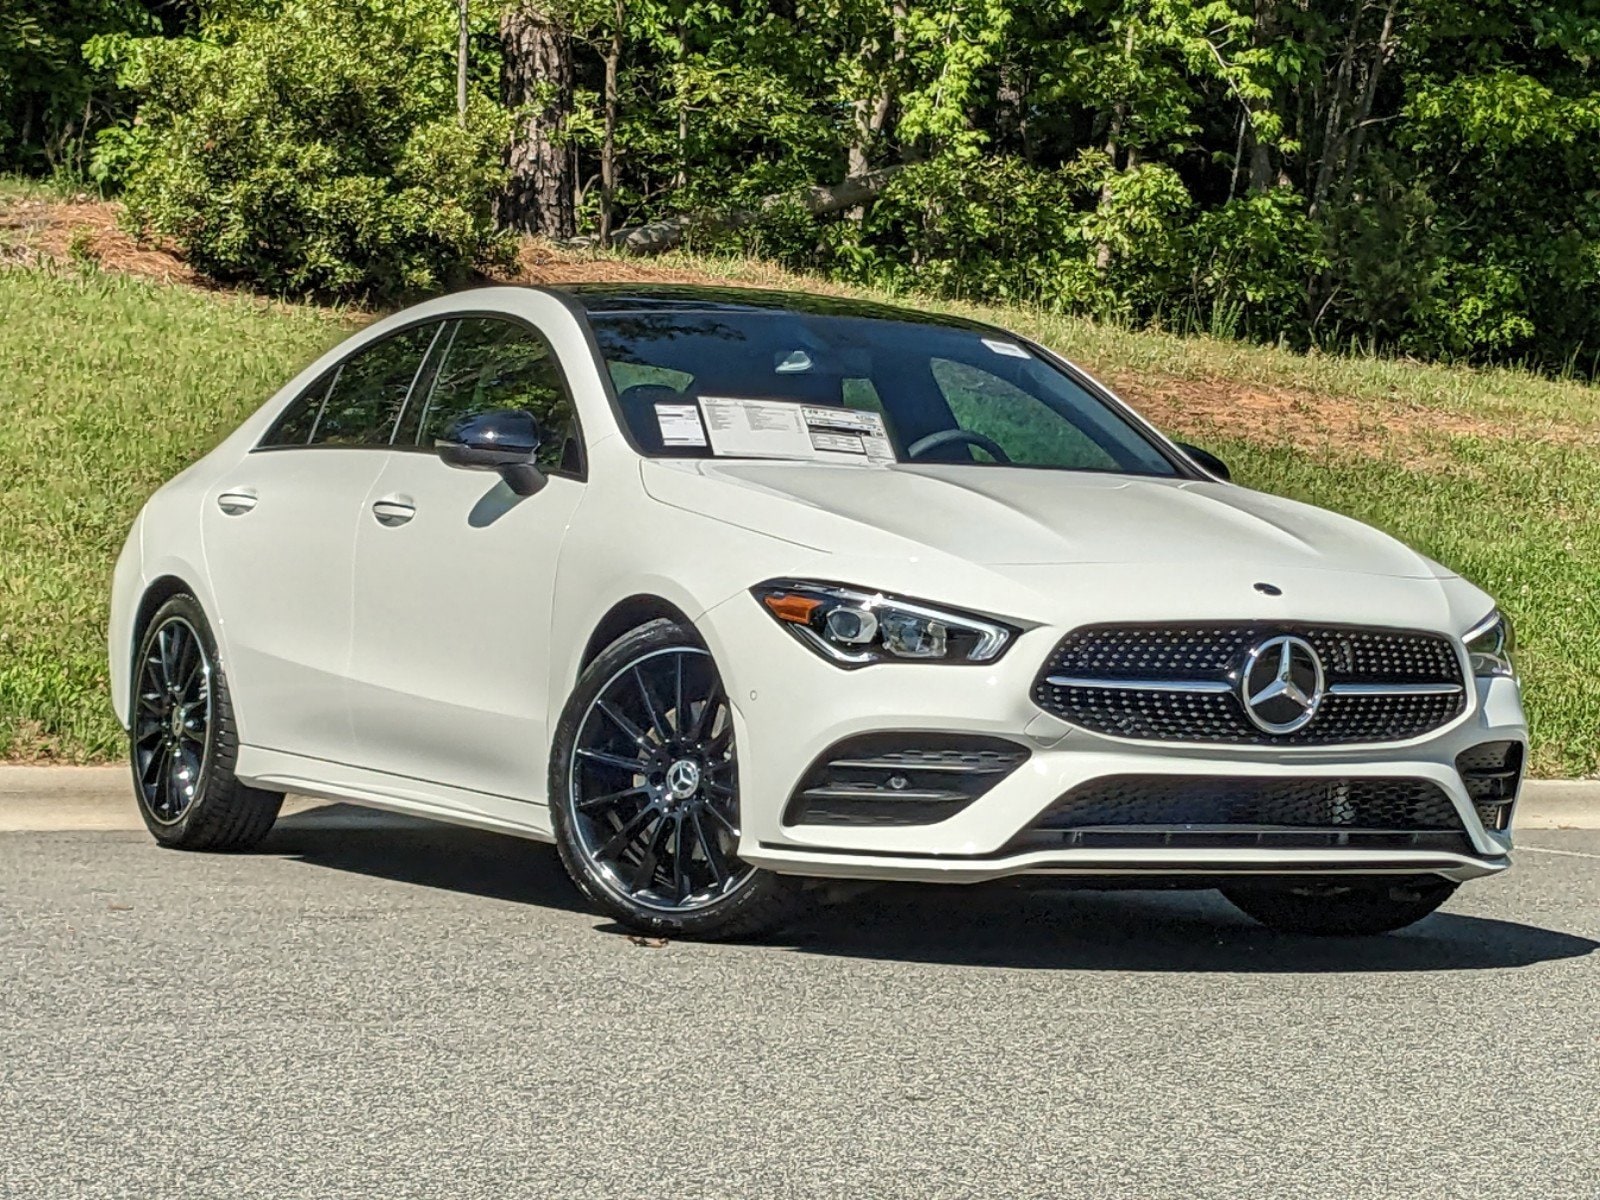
[(946, 394), (486, 365)]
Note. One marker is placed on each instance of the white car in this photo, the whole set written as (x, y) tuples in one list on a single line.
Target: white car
[(726, 592)]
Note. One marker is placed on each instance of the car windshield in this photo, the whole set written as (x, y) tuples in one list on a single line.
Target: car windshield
[(686, 378)]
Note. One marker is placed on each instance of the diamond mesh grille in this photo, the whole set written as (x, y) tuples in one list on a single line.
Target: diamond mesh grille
[(1109, 655)]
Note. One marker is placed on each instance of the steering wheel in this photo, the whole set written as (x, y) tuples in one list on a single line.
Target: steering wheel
[(953, 437)]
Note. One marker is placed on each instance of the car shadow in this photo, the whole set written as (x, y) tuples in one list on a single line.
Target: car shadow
[(988, 925), (1028, 928), (497, 866)]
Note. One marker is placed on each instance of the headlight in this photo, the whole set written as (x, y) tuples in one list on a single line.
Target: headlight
[(855, 628), (1490, 647)]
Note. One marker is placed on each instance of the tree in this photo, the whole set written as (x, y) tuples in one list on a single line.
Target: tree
[(536, 86)]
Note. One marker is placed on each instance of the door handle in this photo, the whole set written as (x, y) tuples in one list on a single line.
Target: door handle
[(236, 504), (393, 511)]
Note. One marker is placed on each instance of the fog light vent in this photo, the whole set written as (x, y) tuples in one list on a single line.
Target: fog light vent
[(1492, 773), (900, 778)]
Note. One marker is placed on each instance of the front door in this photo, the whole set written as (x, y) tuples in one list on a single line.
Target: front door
[(450, 657)]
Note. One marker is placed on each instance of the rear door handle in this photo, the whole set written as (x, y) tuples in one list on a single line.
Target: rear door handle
[(236, 504), (394, 511)]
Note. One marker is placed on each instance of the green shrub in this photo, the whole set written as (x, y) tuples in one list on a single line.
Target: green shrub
[(313, 152)]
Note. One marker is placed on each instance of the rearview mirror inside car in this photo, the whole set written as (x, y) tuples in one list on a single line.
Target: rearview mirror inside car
[(1207, 460)]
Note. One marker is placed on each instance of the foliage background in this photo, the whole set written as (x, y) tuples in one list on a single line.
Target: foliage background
[(1413, 176)]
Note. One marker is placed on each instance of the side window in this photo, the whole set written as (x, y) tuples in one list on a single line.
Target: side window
[(294, 425), (369, 392), (491, 364), (1023, 425)]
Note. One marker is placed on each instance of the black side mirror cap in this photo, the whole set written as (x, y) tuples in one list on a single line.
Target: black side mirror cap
[(505, 441), (1208, 460)]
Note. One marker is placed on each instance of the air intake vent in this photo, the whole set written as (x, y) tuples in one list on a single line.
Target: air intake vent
[(1492, 773), (900, 778)]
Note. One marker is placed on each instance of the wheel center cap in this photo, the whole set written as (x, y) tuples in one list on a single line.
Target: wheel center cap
[(683, 779), (177, 722)]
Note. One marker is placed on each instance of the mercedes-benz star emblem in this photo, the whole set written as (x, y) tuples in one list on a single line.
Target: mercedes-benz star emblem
[(1282, 684)]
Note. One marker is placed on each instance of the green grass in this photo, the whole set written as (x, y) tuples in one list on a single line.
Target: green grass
[(109, 385)]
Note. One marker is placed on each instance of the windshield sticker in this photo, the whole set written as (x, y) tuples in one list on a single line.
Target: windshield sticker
[(740, 428), (680, 425), (1009, 349)]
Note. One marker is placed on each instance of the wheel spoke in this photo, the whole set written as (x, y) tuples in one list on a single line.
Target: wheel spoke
[(646, 874), (712, 703), (610, 798), (635, 734), (711, 851), (636, 766), (681, 850), (627, 835), (721, 818), (663, 734), (677, 694)]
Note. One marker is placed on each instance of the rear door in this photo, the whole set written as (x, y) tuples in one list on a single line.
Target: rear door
[(450, 658), (279, 538)]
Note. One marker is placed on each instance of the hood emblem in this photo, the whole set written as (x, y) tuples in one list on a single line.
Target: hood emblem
[(1269, 589), (1282, 684)]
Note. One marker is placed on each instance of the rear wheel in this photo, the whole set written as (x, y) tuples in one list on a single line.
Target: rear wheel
[(183, 741), (644, 793), (1341, 907)]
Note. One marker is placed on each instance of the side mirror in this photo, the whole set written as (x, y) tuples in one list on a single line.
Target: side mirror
[(1207, 460), (504, 441)]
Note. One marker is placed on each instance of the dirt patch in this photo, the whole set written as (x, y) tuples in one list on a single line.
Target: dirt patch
[(85, 230), (1409, 434)]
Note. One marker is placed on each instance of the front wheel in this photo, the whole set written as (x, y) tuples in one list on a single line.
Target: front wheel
[(644, 793), (1347, 908)]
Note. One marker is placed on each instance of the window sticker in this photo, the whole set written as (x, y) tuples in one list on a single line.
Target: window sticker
[(1009, 349), (742, 428), (680, 425)]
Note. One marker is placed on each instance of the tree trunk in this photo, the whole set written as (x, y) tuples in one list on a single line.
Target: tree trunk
[(608, 143), (463, 33), (660, 236), (536, 84)]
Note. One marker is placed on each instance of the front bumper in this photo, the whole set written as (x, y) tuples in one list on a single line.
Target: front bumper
[(790, 706)]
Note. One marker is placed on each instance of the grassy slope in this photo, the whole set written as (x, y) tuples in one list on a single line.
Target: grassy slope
[(108, 385)]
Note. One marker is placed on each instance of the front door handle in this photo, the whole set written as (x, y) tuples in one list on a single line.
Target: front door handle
[(395, 510), (236, 504)]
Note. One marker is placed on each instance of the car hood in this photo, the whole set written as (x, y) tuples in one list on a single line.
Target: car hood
[(1017, 517)]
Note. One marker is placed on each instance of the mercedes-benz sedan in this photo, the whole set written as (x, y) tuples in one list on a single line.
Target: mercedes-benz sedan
[(727, 592)]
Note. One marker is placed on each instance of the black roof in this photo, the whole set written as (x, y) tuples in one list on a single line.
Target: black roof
[(598, 298)]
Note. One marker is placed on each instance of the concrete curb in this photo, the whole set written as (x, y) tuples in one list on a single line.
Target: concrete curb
[(40, 799)]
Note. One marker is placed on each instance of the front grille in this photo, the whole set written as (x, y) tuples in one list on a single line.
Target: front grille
[(1179, 683), (1492, 773), (900, 778), (1210, 812)]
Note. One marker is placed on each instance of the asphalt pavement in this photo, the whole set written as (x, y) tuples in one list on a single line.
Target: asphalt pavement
[(374, 1006)]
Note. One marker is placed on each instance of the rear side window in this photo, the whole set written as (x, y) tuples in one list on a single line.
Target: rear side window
[(293, 427), (359, 402), (369, 392), (486, 365)]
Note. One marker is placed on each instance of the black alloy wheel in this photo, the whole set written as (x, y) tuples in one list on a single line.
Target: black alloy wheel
[(645, 792), (172, 741)]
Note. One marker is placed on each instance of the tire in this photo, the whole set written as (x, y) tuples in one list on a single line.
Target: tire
[(1341, 908), (183, 742), (658, 856)]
